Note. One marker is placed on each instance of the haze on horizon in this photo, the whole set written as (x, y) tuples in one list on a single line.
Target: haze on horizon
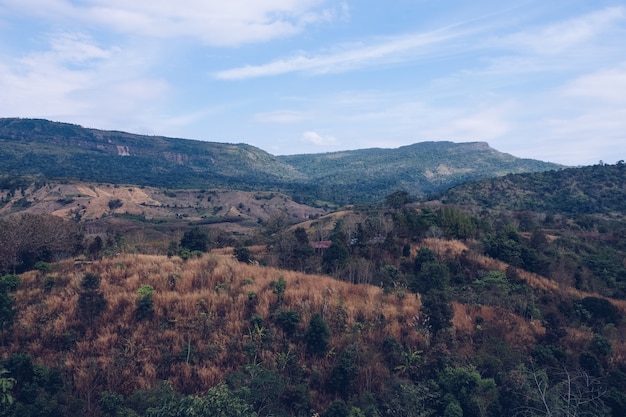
[(542, 80)]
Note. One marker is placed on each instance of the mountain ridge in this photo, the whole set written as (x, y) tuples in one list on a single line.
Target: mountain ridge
[(39, 147)]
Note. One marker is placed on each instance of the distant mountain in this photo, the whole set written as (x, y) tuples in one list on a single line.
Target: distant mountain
[(421, 168), (61, 150), (599, 189), (41, 148)]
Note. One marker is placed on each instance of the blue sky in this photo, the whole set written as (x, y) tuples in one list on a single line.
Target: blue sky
[(537, 79)]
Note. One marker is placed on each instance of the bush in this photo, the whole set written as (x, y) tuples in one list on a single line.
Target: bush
[(195, 240), (11, 282), (145, 304)]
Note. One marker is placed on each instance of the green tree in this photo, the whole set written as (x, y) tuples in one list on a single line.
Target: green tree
[(317, 335), (7, 312), (279, 287), (476, 396), (145, 303), (6, 386), (91, 301), (597, 312), (398, 199), (195, 239), (288, 321), (432, 276), (243, 254), (335, 257), (456, 223), (218, 402), (436, 306), (344, 373)]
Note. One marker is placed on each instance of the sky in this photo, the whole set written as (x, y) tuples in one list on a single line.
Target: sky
[(533, 78)]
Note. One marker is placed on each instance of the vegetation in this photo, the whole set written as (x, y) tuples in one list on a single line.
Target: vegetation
[(597, 189), (48, 150), (399, 308)]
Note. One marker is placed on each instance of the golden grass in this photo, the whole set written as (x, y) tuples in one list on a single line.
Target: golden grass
[(205, 303)]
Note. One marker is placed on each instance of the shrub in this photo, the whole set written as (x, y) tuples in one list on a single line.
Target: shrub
[(317, 335)]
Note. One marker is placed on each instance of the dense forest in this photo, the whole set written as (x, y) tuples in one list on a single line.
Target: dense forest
[(404, 308)]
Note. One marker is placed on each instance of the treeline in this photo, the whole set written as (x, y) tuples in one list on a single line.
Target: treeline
[(28, 239)]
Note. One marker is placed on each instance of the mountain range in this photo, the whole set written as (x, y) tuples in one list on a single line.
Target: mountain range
[(41, 148)]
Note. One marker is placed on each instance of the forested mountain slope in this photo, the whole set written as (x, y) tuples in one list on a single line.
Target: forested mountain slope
[(421, 168), (60, 150), (597, 189)]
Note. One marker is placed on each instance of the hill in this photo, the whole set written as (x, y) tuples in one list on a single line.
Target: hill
[(420, 308), (60, 150), (597, 189), (421, 168), (54, 150), (87, 202)]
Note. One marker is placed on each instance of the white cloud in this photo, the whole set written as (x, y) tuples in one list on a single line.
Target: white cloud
[(222, 23), (607, 85), (76, 80), (562, 36), (317, 139), (348, 57), (487, 124)]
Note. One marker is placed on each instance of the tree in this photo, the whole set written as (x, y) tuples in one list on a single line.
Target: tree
[(243, 254), (7, 313), (456, 223), (6, 385), (195, 240), (288, 321), (278, 287), (598, 311), (218, 402), (335, 257), (29, 238), (317, 335), (144, 304), (398, 199), (560, 393), (95, 248), (91, 301), (343, 374), (432, 276), (475, 395), (436, 306)]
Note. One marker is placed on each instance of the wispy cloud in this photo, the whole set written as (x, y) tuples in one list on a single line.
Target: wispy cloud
[(607, 85), (565, 46), (350, 56), (562, 36), (219, 23), (75, 79)]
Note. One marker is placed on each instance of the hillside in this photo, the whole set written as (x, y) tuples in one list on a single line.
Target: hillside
[(597, 189), (61, 150), (53, 150), (421, 168), (152, 335), (83, 201)]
